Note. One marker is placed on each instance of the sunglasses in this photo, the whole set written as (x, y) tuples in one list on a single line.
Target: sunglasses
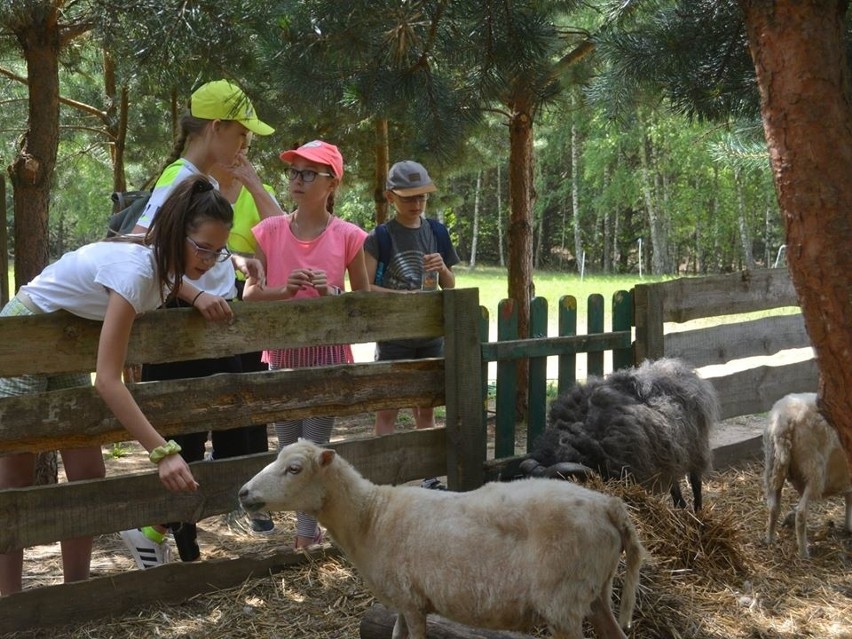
[(307, 175), (208, 255)]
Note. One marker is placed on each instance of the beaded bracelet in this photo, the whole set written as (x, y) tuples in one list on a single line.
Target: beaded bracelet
[(196, 297), (171, 447)]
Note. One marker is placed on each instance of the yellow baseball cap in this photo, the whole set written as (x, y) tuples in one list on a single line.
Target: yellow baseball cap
[(222, 100)]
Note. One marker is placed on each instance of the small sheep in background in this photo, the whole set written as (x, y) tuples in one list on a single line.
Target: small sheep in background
[(800, 446), (650, 423), (504, 556)]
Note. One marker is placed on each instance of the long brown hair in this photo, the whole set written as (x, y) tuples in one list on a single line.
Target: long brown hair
[(192, 202)]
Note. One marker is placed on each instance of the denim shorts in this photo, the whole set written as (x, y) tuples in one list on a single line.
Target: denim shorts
[(30, 384)]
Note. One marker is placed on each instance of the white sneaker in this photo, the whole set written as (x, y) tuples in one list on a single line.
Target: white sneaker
[(147, 552)]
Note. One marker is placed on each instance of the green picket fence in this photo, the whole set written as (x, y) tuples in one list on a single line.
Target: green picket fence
[(539, 346)]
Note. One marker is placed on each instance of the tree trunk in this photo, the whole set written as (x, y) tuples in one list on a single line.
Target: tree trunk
[(520, 229), (658, 242), (500, 249), (475, 233), (4, 245), (381, 176), (799, 53), (32, 168), (115, 123), (575, 193), (742, 221)]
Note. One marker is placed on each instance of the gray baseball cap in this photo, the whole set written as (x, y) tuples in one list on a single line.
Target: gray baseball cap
[(409, 178)]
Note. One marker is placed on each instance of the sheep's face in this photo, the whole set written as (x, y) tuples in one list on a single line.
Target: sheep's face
[(291, 482)]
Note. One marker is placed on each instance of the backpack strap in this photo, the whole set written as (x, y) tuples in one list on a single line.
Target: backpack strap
[(385, 246), (442, 237), (124, 221)]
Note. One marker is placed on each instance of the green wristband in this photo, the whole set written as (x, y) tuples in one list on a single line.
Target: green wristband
[(171, 447)]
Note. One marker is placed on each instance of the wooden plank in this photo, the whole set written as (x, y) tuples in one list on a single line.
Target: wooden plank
[(60, 342), (465, 430), (567, 328), (755, 390), (721, 344), (537, 386), (595, 325), (691, 298), (507, 376), (117, 595), (78, 416), (513, 349), (622, 315), (33, 516)]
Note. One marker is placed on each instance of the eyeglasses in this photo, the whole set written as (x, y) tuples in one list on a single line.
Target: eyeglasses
[(413, 198), (208, 255), (307, 175)]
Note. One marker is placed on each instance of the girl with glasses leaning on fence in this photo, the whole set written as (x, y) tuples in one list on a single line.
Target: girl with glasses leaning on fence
[(308, 254), (114, 281), (216, 130)]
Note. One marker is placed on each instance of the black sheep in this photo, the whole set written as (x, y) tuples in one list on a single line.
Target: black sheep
[(649, 423)]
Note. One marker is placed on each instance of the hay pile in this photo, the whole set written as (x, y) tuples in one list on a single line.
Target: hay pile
[(706, 577)]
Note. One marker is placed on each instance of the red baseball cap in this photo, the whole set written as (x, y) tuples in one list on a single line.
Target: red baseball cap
[(319, 152)]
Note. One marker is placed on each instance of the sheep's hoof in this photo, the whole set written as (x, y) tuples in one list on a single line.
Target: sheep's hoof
[(566, 470), (531, 468)]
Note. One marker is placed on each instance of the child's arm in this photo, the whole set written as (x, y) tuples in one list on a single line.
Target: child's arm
[(357, 269), (243, 170), (258, 291), (112, 351)]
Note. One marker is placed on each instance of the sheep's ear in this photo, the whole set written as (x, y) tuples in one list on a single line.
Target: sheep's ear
[(326, 457)]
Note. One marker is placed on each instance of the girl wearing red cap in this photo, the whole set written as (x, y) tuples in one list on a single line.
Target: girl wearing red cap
[(308, 254)]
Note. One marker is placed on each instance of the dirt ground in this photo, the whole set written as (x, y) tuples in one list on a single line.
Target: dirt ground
[(709, 577)]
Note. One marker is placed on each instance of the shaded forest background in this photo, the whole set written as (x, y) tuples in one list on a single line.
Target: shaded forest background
[(618, 176)]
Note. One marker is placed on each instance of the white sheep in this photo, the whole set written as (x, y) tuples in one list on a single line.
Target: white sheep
[(800, 446), (504, 556)]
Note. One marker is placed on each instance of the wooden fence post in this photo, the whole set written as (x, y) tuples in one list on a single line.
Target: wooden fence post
[(595, 322), (622, 316), (567, 328), (507, 382), (466, 435), (648, 320)]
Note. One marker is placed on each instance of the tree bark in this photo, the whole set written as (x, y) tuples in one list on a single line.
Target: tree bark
[(742, 221), (38, 35), (521, 196), (799, 52), (475, 233), (659, 244), (382, 162)]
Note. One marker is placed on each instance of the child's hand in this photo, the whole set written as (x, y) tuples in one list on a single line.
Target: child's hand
[(214, 308), (250, 267), (319, 280), (299, 279), (433, 262), (243, 170), (175, 474)]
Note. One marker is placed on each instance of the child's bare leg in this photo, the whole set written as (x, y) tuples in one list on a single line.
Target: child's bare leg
[(424, 416), (80, 463), (386, 421), (16, 471)]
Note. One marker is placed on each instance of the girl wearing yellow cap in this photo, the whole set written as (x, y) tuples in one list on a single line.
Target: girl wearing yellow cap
[(216, 130)]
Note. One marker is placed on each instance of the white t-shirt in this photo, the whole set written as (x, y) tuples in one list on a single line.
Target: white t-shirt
[(80, 281), (219, 278)]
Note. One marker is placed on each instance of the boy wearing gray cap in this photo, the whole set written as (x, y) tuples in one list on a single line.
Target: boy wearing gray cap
[(409, 254)]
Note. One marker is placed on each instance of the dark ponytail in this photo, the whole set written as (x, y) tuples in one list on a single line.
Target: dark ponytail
[(191, 203)]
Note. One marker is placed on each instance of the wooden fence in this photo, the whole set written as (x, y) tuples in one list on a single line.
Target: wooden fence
[(77, 417), (661, 310)]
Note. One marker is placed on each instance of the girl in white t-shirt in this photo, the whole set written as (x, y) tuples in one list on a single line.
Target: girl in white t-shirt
[(114, 281)]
